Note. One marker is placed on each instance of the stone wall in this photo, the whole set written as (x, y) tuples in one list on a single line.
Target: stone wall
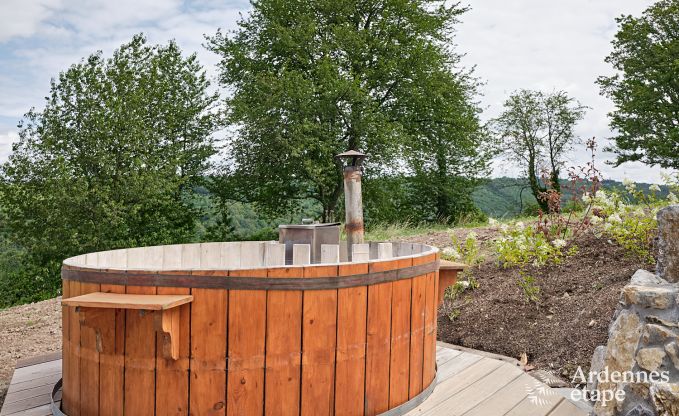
[(642, 355), (668, 243)]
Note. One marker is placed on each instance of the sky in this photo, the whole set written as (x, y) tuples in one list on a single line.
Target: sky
[(534, 44)]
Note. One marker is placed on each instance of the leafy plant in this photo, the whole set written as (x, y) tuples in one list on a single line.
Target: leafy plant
[(467, 251), (522, 245), (452, 297), (454, 314), (632, 226), (552, 237), (531, 291), (454, 291)]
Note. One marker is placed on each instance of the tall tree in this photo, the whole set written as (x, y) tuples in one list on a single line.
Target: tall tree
[(537, 130), (449, 149), (310, 79), (113, 158), (645, 88)]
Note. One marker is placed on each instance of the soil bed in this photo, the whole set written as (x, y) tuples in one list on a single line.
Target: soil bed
[(27, 331), (577, 301)]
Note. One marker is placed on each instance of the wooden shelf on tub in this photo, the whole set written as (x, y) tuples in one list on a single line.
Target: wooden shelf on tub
[(448, 271), (127, 301), (451, 265), (93, 310)]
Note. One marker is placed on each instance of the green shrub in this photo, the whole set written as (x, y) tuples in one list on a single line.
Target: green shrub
[(264, 234), (532, 209), (632, 226), (523, 245), (22, 282), (467, 251), (531, 291)]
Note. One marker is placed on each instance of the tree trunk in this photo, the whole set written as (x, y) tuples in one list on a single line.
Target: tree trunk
[(442, 200), (330, 204), (535, 187), (554, 177), (442, 206)]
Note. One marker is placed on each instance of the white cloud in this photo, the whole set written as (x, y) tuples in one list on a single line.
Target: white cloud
[(23, 17), (518, 44), (6, 140), (76, 29), (549, 46)]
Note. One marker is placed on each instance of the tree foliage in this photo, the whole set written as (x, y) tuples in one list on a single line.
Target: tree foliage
[(311, 79), (536, 130), (112, 159), (645, 88)]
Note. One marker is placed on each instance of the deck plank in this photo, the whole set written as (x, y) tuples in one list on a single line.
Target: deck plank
[(448, 387), (455, 365), (38, 370), (504, 400), (538, 404), (443, 355), (48, 380), (26, 394), (42, 410), (476, 392), (565, 408), (29, 405)]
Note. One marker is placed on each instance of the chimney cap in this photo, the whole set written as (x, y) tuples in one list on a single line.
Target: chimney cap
[(355, 156), (351, 153)]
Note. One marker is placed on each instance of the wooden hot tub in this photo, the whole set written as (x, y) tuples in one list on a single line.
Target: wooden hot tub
[(229, 329)]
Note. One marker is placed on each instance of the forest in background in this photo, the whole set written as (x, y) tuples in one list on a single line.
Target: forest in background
[(498, 198), (129, 149)]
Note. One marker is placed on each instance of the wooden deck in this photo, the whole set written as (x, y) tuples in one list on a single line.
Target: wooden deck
[(470, 383), (31, 386), (473, 383)]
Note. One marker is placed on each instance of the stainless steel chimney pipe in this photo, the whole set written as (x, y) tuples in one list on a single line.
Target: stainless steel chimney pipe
[(353, 200)]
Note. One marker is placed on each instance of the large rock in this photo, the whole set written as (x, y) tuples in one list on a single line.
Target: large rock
[(623, 337), (597, 366), (668, 243), (634, 401), (640, 410), (656, 320), (645, 278), (650, 359), (658, 334), (672, 350), (654, 297), (666, 398)]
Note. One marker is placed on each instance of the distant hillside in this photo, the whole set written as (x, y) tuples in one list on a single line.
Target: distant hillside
[(503, 197), (508, 197), (497, 198)]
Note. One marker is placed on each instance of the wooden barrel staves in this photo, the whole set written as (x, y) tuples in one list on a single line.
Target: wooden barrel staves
[(229, 329)]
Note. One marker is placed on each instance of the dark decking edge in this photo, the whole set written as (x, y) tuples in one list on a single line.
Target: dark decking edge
[(39, 359), (510, 360)]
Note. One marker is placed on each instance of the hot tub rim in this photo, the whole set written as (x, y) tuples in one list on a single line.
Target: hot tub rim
[(255, 278)]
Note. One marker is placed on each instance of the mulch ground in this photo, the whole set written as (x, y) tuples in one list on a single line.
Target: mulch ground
[(577, 301), (27, 331)]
